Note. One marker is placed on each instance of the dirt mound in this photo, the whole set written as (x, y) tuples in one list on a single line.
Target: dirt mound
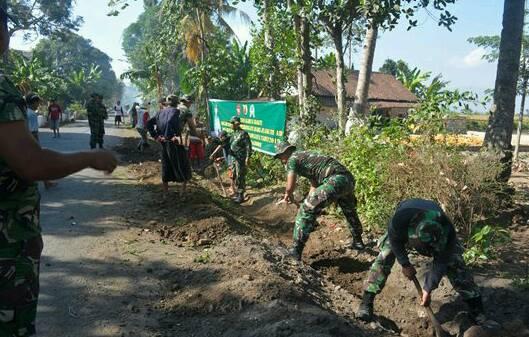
[(249, 287), (202, 232)]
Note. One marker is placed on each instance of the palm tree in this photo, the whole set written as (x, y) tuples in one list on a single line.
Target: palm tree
[(197, 19), (413, 80), (360, 106), (501, 121)]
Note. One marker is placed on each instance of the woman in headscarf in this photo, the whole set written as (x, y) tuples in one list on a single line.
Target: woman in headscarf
[(166, 127)]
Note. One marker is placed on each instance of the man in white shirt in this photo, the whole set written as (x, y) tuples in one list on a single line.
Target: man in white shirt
[(118, 112)]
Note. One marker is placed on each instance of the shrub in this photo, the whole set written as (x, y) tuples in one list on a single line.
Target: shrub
[(388, 168), (264, 170), (482, 244), (78, 109)]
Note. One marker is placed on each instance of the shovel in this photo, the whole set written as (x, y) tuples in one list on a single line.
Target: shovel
[(439, 331), (220, 179)]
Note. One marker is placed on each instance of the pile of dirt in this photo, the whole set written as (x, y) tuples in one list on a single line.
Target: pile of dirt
[(202, 232), (249, 287)]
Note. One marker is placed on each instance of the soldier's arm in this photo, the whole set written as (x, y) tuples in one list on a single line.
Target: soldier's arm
[(32, 163), (398, 235), (442, 257), (291, 186)]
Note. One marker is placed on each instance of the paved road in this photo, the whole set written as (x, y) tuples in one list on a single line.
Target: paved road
[(86, 282)]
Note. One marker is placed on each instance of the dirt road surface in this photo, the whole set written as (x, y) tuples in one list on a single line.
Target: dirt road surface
[(89, 283)]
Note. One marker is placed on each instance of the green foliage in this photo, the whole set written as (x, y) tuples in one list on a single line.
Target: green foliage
[(395, 67), (42, 17), (31, 75), (436, 100), (227, 66), (390, 164), (262, 63), (74, 58), (327, 62), (203, 258), (82, 82), (78, 109), (483, 243), (387, 13), (264, 170), (147, 51)]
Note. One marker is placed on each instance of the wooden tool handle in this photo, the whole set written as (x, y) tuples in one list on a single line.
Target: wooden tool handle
[(439, 331)]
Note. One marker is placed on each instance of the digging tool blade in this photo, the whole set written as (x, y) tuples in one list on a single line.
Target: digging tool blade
[(439, 331)]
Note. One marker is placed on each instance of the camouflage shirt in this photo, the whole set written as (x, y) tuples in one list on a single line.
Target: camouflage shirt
[(96, 111), (434, 235), (240, 145), (19, 199), (314, 166)]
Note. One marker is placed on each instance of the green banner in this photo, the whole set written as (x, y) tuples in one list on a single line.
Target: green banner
[(264, 121)]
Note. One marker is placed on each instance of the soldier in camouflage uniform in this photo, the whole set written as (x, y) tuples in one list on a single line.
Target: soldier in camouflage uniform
[(97, 113), (240, 150), (22, 163), (330, 182), (421, 225)]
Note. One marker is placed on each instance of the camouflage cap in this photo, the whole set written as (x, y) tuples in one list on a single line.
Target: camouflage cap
[(283, 147), (429, 229), (235, 120)]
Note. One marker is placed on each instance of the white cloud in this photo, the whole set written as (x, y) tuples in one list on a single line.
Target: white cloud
[(474, 58)]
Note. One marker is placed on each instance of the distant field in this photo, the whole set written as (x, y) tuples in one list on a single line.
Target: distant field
[(478, 122)]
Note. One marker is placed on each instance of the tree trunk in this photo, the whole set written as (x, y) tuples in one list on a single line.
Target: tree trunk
[(306, 59), (204, 76), (361, 103), (499, 131), (340, 78), (269, 41), (360, 107), (297, 31)]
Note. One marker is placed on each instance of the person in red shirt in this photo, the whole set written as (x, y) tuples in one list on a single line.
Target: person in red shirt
[(54, 117)]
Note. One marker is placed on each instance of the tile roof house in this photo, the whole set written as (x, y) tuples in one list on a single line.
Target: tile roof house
[(387, 95)]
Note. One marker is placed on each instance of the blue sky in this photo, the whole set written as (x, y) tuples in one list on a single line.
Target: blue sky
[(427, 46)]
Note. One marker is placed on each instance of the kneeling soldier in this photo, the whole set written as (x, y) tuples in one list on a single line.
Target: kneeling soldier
[(423, 226), (330, 182)]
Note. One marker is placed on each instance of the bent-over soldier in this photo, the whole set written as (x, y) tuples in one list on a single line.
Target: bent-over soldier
[(421, 225), (330, 182)]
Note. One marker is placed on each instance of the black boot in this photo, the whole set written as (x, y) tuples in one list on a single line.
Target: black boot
[(296, 251), (475, 306), (357, 243), (365, 310)]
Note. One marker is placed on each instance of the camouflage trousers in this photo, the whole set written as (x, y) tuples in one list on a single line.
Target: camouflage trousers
[(19, 287), (457, 272), (337, 188), (97, 132), (238, 168)]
